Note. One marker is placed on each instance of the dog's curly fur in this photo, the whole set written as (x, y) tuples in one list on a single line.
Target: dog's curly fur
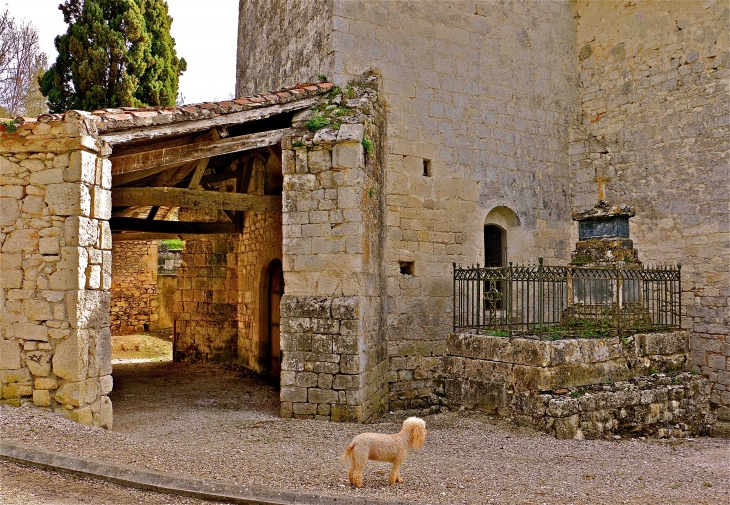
[(389, 448)]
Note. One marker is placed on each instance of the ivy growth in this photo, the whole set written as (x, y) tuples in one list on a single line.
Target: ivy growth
[(368, 145), (10, 126)]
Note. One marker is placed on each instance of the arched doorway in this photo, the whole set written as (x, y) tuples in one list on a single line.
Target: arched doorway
[(495, 253), (494, 246), (273, 334)]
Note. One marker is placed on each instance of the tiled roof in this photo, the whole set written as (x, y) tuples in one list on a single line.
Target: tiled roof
[(129, 117)]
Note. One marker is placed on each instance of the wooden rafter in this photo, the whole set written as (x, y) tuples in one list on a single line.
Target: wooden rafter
[(191, 152), (170, 227), (123, 237)]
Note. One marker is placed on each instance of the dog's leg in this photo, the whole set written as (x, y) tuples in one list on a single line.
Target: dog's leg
[(355, 473), (395, 472)]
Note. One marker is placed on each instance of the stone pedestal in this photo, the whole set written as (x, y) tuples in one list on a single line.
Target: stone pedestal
[(603, 236)]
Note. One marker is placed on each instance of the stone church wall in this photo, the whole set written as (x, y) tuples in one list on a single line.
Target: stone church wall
[(654, 126), (134, 302), (480, 97), (55, 268), (275, 50)]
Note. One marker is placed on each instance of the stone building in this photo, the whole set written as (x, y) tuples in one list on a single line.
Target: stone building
[(455, 132), (512, 114)]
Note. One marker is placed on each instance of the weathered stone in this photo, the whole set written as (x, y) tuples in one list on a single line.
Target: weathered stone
[(37, 310), (31, 331), (568, 428), (9, 355), (70, 272), (101, 203), (41, 397), (39, 363), (25, 240), (319, 161), (9, 211), (347, 155), (105, 413), (71, 358), (68, 199), (81, 231), (81, 168)]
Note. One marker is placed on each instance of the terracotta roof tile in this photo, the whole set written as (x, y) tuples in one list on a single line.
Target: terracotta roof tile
[(123, 118)]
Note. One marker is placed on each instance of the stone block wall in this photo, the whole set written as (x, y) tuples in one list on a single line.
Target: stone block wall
[(55, 268), (134, 302), (661, 406), (258, 246), (654, 126), (334, 354), (520, 364), (206, 301), (582, 388), (480, 98), (282, 42), (220, 307)]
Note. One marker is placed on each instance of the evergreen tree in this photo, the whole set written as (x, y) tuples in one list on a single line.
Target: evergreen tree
[(115, 53)]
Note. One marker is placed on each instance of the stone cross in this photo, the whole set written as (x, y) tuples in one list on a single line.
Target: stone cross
[(600, 179)]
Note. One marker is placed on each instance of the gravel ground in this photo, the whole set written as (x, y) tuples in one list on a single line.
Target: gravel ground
[(25, 485), (219, 423)]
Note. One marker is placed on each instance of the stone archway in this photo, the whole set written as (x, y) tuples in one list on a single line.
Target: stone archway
[(504, 237)]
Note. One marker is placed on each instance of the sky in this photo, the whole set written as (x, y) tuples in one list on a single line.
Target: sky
[(205, 37)]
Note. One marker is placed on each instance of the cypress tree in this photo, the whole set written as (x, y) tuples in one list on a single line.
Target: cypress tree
[(115, 53)]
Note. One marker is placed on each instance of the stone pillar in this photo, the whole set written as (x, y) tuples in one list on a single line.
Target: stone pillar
[(333, 352), (55, 197)]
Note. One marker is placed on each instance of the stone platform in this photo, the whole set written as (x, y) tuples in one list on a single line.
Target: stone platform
[(580, 388)]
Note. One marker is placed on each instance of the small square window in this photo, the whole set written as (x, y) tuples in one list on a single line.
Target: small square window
[(427, 168), (406, 267)]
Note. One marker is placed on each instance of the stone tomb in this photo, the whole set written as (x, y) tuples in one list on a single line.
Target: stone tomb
[(580, 388)]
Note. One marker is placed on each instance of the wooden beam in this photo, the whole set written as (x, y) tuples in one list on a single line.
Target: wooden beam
[(193, 199), (124, 237), (171, 227), (122, 179), (223, 176), (181, 127), (199, 171), (197, 151)]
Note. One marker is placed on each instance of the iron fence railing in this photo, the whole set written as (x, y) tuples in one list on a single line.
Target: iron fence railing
[(168, 262), (559, 302)]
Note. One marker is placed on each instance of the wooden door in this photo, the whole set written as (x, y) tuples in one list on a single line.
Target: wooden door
[(276, 289)]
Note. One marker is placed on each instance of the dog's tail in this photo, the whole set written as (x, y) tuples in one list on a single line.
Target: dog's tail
[(347, 455)]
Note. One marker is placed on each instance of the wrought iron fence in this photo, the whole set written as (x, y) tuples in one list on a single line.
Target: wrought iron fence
[(168, 262), (559, 302)]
